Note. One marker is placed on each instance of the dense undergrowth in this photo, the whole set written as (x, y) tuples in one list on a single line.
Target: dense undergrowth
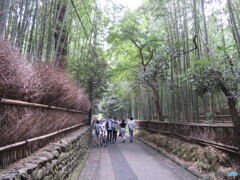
[(205, 159), (38, 83)]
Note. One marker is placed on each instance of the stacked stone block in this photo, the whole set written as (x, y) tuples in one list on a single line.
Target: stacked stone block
[(54, 162)]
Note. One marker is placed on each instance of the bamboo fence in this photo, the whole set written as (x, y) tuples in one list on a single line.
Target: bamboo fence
[(16, 151)]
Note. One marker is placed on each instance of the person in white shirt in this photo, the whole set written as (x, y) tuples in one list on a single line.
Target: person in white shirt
[(131, 126)]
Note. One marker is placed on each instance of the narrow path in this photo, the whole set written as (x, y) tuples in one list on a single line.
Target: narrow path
[(132, 161), (121, 167)]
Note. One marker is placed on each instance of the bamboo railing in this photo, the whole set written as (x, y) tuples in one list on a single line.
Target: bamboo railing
[(16, 151), (220, 136), (28, 104), (4, 148)]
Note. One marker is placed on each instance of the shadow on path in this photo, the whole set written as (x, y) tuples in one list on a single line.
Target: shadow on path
[(121, 168)]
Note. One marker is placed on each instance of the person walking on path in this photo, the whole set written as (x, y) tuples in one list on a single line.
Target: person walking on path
[(123, 130), (131, 126), (97, 129), (115, 128), (109, 128)]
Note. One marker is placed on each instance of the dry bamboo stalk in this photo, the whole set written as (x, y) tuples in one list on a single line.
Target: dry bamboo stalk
[(42, 137), (37, 138), (217, 116), (196, 124), (58, 108), (12, 145), (23, 103), (233, 148)]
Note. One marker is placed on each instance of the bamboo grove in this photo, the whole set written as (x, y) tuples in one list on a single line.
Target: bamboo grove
[(184, 54), (66, 33), (172, 60)]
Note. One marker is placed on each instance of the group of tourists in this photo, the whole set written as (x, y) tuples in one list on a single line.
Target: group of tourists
[(114, 128)]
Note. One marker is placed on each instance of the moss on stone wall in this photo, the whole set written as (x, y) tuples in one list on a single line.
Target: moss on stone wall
[(55, 161)]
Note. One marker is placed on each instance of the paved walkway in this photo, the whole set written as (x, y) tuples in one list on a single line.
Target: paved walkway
[(131, 161)]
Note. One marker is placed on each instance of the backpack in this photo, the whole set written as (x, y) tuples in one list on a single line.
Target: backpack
[(96, 129), (114, 127)]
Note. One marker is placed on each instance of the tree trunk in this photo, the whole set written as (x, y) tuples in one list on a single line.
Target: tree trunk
[(30, 44), (61, 34), (4, 7), (90, 84), (24, 25), (19, 35), (233, 112), (157, 104), (234, 24), (50, 33), (207, 52), (42, 35)]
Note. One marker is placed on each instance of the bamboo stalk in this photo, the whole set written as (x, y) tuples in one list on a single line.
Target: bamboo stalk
[(195, 124), (38, 138), (23, 103), (12, 145)]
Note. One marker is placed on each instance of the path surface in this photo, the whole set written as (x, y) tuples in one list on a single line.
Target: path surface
[(131, 161)]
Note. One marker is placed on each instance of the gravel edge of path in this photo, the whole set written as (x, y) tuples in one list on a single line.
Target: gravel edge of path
[(91, 165), (88, 168)]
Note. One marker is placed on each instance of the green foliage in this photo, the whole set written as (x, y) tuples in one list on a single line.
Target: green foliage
[(112, 106), (208, 122), (87, 59), (202, 165), (162, 30), (155, 33), (202, 78), (210, 115), (206, 76)]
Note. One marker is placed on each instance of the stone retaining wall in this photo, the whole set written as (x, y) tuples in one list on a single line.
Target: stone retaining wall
[(53, 162)]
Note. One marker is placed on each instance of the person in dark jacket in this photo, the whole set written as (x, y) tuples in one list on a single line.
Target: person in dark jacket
[(115, 129), (109, 128), (123, 130)]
